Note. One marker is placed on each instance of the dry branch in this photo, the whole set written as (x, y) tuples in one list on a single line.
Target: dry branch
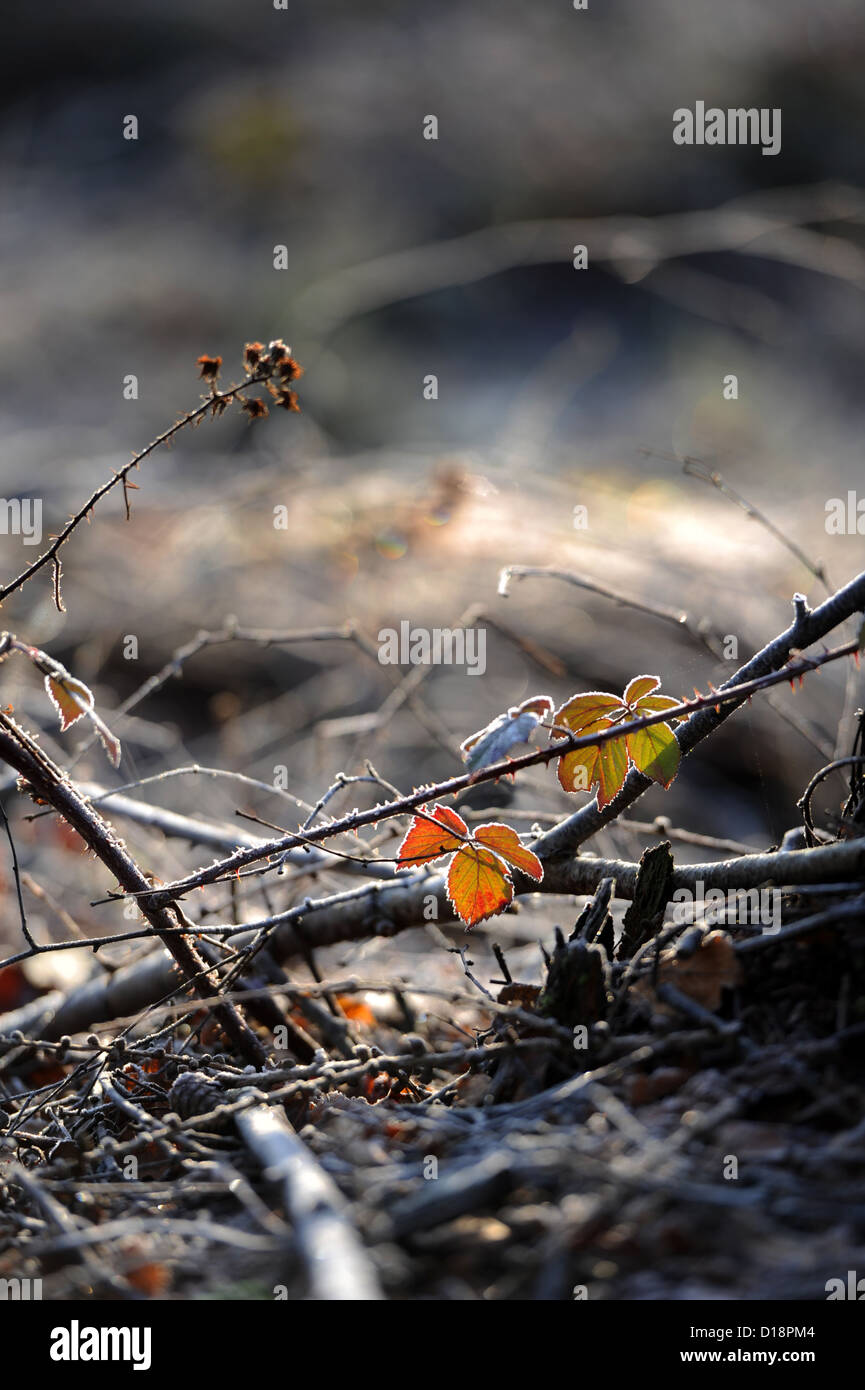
[(338, 1266)]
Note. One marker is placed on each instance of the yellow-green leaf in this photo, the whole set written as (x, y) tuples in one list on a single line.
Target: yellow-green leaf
[(656, 753), (639, 688), (583, 711)]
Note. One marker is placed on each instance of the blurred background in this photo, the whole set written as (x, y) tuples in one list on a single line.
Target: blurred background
[(406, 258)]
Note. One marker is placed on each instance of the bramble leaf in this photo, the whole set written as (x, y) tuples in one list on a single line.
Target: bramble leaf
[(506, 843), (655, 752), (582, 711), (492, 743), (606, 764), (656, 704), (71, 698), (639, 687), (478, 884), (425, 841)]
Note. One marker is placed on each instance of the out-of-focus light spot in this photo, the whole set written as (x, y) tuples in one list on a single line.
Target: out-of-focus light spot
[(390, 546)]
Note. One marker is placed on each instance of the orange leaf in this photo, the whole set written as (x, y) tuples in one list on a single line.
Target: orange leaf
[(506, 843), (355, 1009), (478, 884), (425, 841), (606, 764), (70, 698)]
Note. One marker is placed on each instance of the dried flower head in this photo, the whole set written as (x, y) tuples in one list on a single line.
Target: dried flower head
[(290, 369), (252, 355), (255, 408), (209, 367)]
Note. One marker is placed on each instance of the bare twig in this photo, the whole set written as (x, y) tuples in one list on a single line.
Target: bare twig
[(338, 1267)]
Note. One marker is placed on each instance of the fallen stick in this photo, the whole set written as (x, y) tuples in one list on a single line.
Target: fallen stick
[(339, 1268), (387, 909)]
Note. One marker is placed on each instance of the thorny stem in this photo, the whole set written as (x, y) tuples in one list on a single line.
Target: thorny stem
[(762, 671), (48, 783), (218, 399)]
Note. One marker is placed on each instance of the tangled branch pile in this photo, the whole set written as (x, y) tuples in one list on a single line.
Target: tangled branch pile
[(671, 1111)]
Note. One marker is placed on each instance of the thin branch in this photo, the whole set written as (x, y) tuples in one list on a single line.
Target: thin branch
[(706, 714), (215, 403), (338, 1266), (47, 782), (25, 930)]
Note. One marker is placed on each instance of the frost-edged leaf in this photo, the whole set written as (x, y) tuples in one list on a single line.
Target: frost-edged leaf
[(583, 711), (579, 770), (70, 698), (478, 884), (655, 752), (506, 843), (612, 769), (493, 743), (606, 764), (639, 687), (73, 700), (657, 704), (431, 836)]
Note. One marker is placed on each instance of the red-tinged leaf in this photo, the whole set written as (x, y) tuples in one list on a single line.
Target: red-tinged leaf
[(584, 711), (426, 841), (639, 688), (70, 698), (612, 769), (478, 884), (606, 764), (579, 770), (506, 843), (656, 753)]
